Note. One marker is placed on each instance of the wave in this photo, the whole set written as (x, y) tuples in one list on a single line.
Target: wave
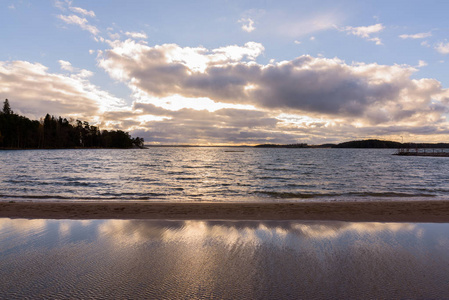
[(35, 197), (390, 194), (287, 195), (279, 169), (105, 197), (272, 178), (292, 195)]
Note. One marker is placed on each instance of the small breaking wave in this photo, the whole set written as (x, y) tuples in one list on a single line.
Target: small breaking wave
[(293, 195)]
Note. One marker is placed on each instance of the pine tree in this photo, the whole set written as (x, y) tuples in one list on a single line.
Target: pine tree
[(7, 108)]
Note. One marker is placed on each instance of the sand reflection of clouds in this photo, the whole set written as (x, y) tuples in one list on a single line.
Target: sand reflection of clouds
[(132, 231), (65, 227), (226, 232), (329, 230), (231, 233), (32, 226), (22, 225)]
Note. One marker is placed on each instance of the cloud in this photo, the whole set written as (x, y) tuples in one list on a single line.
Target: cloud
[(74, 19), (366, 32), (171, 59), (114, 36), (67, 4), (422, 63), (415, 36), (442, 48), (34, 91), (81, 22), (292, 27), (425, 44), (61, 5), (65, 65), (369, 93), (248, 24), (82, 11), (189, 126), (79, 73), (136, 35)]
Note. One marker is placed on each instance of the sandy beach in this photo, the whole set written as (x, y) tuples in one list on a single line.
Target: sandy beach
[(378, 211)]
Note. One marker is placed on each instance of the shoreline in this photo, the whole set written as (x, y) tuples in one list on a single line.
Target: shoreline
[(374, 211)]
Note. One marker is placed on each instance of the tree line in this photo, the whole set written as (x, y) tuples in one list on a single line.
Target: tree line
[(19, 132)]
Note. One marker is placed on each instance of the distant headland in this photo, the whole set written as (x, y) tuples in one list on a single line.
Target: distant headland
[(370, 143)]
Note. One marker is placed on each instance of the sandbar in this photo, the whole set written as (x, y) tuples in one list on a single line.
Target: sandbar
[(436, 211)]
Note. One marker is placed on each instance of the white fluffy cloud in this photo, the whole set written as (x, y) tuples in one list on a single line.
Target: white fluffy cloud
[(442, 48), (34, 91), (65, 65), (81, 22), (67, 5), (75, 19), (366, 32), (82, 11), (422, 63), (415, 36), (248, 24), (136, 35)]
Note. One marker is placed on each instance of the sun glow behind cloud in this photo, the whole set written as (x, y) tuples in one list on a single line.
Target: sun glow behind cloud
[(384, 97)]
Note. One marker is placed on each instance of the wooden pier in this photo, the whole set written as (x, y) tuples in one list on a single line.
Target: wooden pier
[(422, 152)]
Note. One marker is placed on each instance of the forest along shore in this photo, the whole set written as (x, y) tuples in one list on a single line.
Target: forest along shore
[(19, 132), (373, 211)]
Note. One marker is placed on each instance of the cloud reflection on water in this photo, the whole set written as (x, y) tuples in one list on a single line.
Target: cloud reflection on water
[(227, 232), (244, 232), (221, 259)]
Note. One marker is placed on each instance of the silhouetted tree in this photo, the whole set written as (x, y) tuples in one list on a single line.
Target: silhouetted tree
[(138, 142), (7, 108)]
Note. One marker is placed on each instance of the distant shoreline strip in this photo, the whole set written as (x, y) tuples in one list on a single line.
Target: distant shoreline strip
[(374, 211)]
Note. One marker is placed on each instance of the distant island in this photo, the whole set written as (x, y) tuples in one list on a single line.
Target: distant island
[(370, 143), (19, 132)]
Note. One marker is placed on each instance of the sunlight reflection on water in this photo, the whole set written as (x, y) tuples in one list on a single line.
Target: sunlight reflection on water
[(222, 259)]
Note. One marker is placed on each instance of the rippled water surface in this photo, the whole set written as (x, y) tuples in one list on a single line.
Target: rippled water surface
[(220, 174), (136, 259)]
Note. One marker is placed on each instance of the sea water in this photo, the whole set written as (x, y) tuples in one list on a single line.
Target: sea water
[(220, 174)]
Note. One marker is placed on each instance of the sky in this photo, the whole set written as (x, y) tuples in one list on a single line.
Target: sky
[(225, 72)]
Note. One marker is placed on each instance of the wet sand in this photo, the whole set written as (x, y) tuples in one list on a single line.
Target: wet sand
[(374, 211), (166, 259)]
